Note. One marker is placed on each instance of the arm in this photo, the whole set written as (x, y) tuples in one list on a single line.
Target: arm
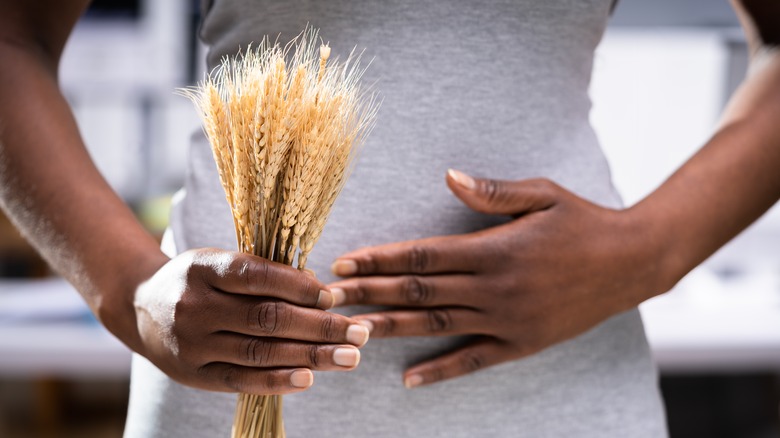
[(564, 264), (209, 318), (50, 188), (733, 179)]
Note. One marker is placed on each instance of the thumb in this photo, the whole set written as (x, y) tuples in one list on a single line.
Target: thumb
[(494, 196)]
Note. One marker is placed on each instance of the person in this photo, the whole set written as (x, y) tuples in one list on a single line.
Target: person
[(509, 308)]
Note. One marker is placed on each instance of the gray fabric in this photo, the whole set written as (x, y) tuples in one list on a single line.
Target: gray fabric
[(495, 88)]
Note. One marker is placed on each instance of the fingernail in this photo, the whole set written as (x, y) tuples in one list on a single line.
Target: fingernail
[(462, 179), (367, 324), (325, 300), (346, 357), (413, 381), (339, 296), (301, 378), (357, 334), (344, 268)]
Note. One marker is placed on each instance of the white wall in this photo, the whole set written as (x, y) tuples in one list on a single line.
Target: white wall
[(120, 75), (657, 97)]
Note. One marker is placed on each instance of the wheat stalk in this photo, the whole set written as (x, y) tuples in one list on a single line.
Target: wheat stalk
[(284, 127)]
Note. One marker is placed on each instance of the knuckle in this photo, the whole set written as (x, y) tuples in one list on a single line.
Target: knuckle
[(416, 291), (184, 352), (439, 320), (198, 262), (256, 351), (266, 317), (182, 309), (252, 275), (192, 300), (418, 259), (179, 334), (471, 361), (204, 372), (360, 292), (385, 326), (245, 272), (546, 184), (247, 350), (314, 356), (328, 328), (309, 288), (210, 375), (546, 187), (391, 326), (233, 379), (368, 264), (492, 190), (507, 287), (192, 272)]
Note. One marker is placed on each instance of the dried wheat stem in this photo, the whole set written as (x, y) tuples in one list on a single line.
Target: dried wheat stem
[(284, 132)]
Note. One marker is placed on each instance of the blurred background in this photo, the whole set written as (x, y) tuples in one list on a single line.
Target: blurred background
[(661, 77)]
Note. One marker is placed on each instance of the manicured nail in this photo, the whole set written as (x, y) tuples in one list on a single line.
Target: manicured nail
[(344, 268), (367, 324), (339, 296), (357, 334), (413, 381), (301, 378), (462, 179), (325, 300), (346, 357)]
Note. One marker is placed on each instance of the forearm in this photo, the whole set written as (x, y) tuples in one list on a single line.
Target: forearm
[(729, 183), (56, 197)]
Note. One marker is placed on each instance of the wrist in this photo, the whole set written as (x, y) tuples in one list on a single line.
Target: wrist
[(115, 307), (652, 241)]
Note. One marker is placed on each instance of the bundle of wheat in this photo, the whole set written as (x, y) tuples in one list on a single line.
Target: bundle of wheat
[(284, 126)]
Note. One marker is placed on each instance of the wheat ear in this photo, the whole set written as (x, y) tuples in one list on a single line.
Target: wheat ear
[(284, 126)]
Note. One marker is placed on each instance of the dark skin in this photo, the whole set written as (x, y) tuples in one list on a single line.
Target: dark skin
[(211, 319), (563, 266)]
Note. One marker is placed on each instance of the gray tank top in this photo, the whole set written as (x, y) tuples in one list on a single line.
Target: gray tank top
[(496, 88)]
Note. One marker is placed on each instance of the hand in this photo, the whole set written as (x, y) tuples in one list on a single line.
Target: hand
[(226, 321), (562, 266)]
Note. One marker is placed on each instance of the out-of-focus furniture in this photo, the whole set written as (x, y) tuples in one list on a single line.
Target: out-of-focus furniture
[(714, 325), (46, 330)]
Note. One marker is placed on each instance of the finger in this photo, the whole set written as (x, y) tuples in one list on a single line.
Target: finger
[(258, 352), (440, 321), (408, 291), (278, 319), (250, 275), (475, 356), (493, 196), (235, 378), (433, 255)]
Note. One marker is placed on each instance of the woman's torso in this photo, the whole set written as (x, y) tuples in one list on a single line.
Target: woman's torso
[(496, 88)]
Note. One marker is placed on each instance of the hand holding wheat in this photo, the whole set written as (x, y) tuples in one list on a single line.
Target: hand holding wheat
[(284, 128), (265, 329)]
